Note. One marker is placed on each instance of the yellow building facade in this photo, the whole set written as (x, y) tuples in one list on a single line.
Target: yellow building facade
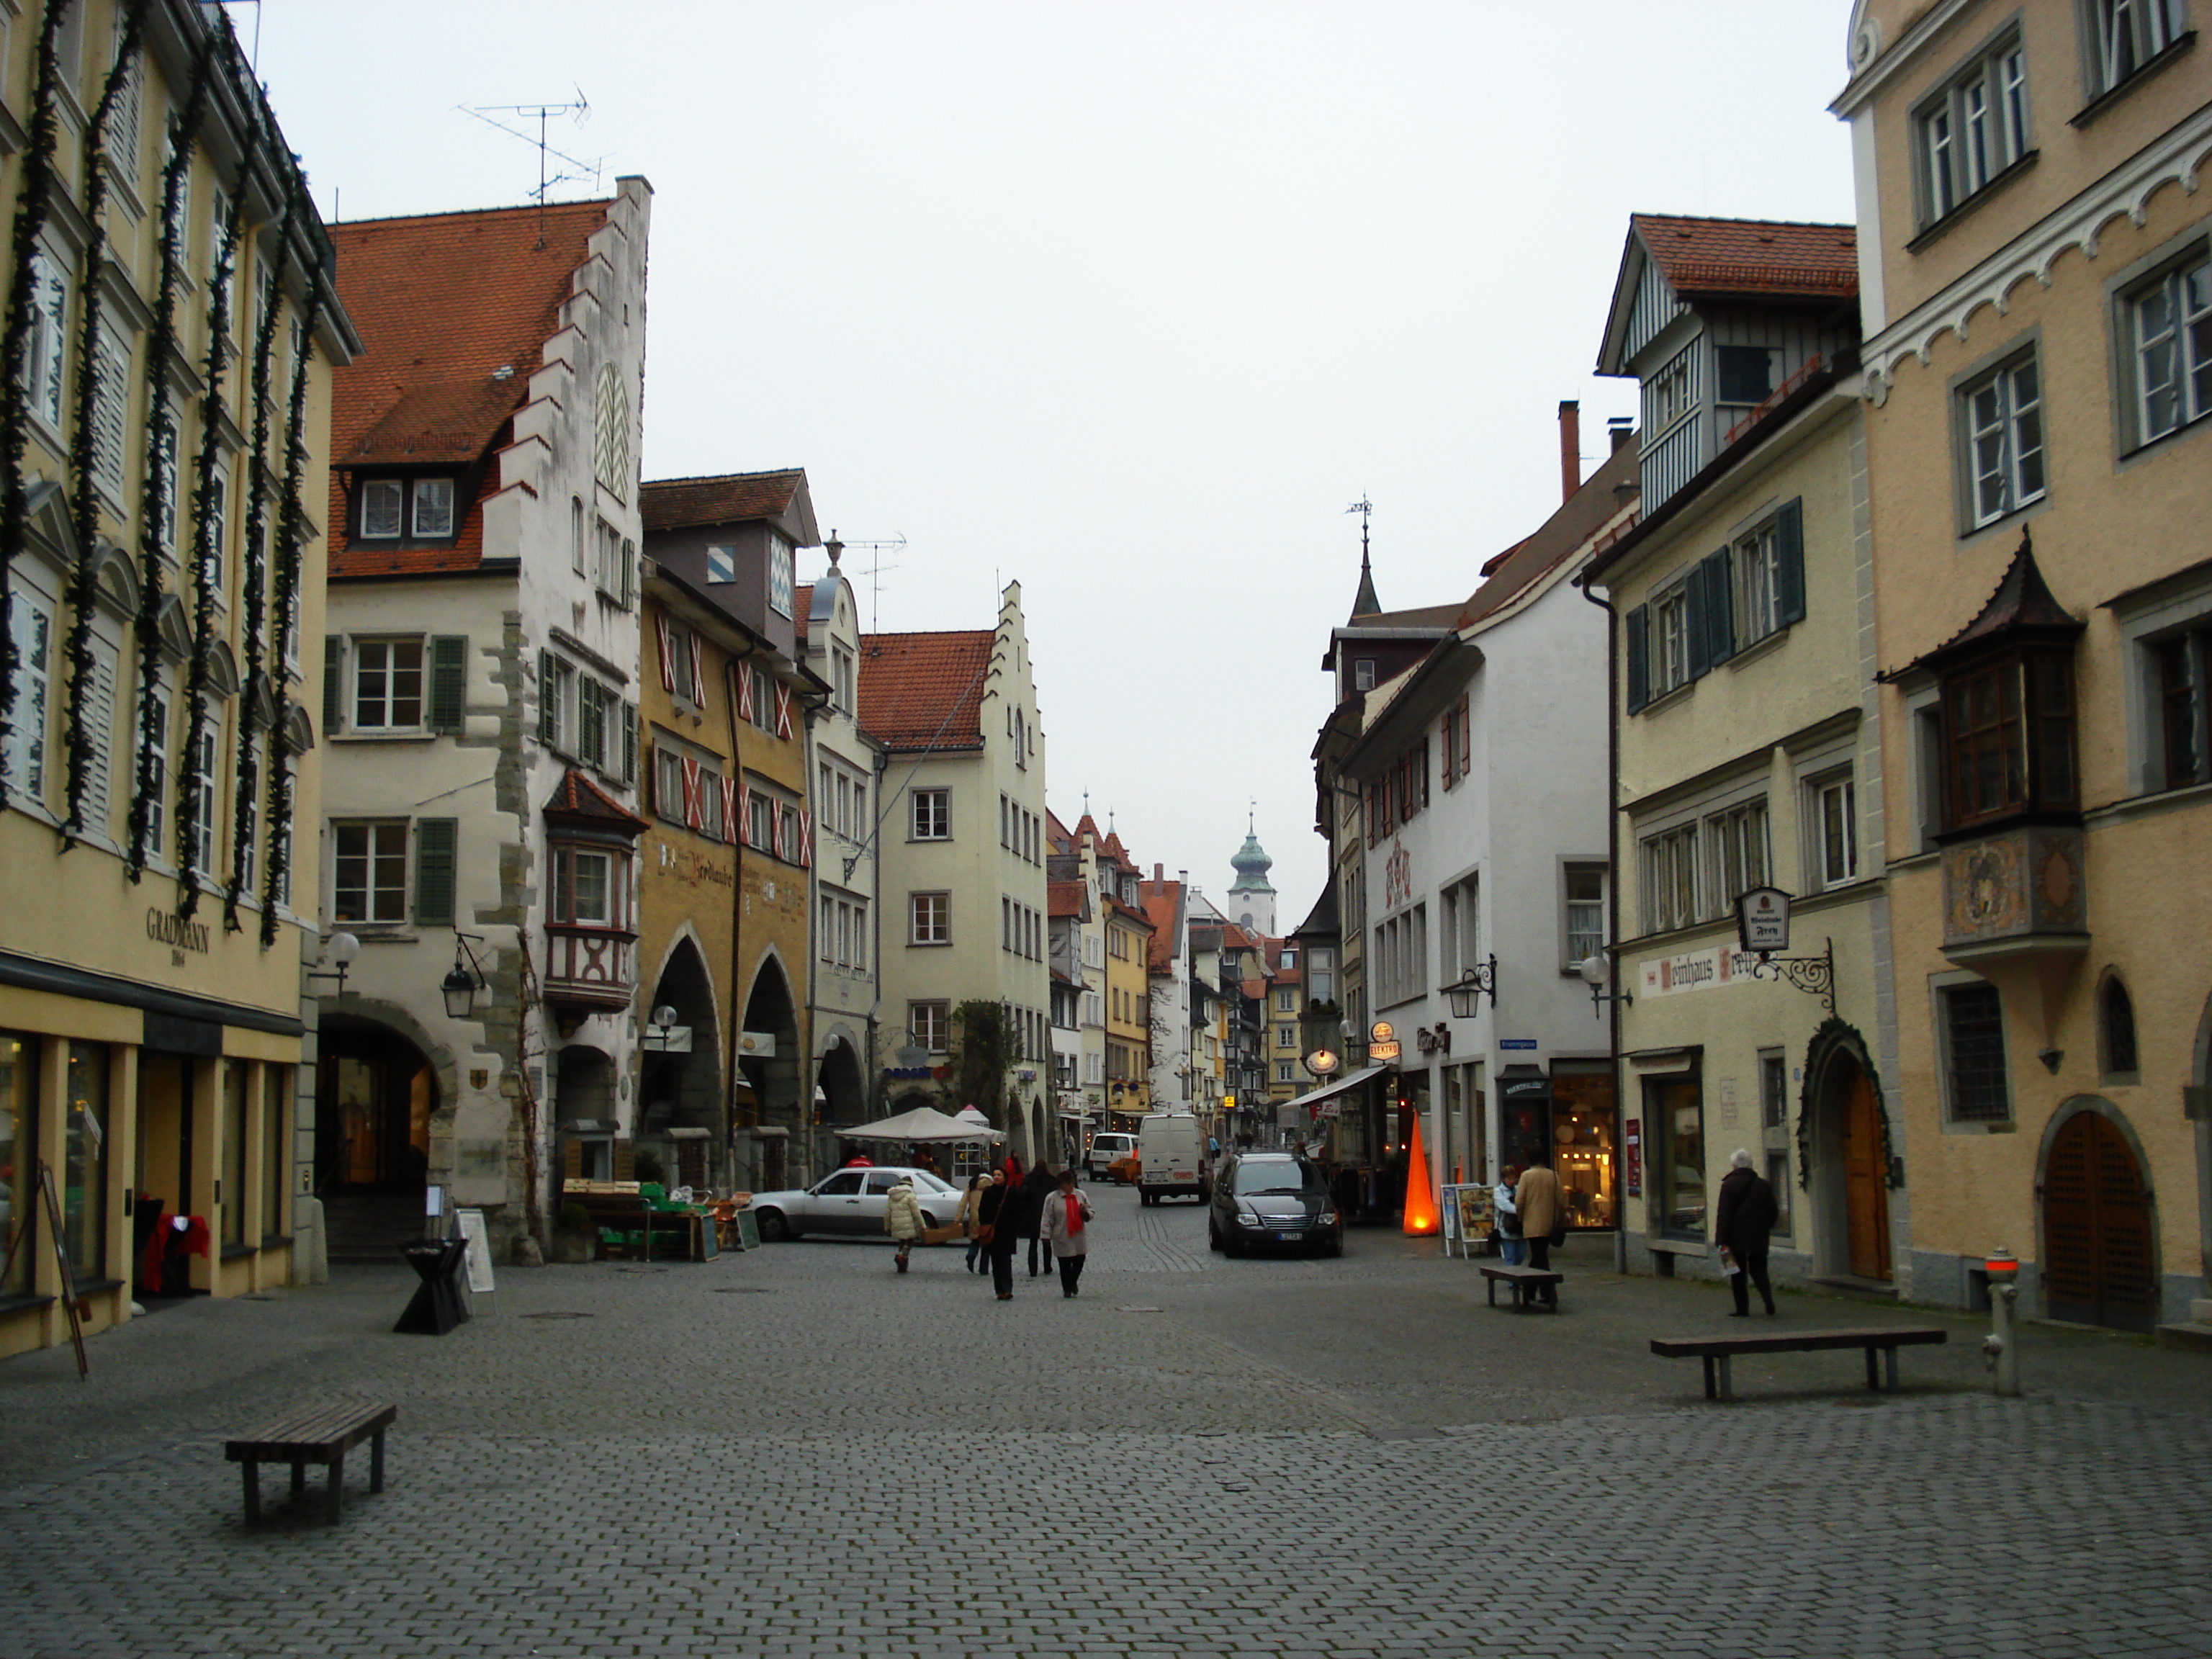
[(2039, 325), (161, 738)]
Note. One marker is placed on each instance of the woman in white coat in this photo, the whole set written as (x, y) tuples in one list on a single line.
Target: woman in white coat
[(1066, 1225), (902, 1217)]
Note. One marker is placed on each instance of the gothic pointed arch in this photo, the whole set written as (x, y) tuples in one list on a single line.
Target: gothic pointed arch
[(1836, 1039)]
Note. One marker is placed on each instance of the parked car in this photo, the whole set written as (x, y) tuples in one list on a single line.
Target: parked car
[(1107, 1148), (1172, 1159), (850, 1203), (1273, 1201)]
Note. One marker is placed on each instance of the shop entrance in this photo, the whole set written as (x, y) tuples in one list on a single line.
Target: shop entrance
[(374, 1093), (1866, 1178), (1585, 1120), (2100, 1260), (161, 1175)]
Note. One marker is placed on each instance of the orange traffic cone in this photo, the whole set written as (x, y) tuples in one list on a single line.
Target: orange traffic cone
[(1421, 1218)]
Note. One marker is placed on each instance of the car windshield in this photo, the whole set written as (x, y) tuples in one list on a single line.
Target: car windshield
[(1286, 1175), (929, 1183)]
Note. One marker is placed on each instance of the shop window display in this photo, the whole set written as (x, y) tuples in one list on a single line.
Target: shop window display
[(1677, 1114), (19, 1161), (275, 1082), (84, 1162), (233, 1152), (1585, 1124)]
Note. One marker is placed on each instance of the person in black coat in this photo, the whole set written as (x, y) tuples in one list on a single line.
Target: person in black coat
[(1001, 1211), (1037, 1185), (1741, 1224)]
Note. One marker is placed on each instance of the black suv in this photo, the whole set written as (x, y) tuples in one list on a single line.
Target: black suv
[(1273, 1201)]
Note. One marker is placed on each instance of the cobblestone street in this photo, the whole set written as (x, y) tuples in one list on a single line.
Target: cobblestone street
[(795, 1451)]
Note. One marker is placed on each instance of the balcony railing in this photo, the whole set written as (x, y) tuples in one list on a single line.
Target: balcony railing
[(590, 967)]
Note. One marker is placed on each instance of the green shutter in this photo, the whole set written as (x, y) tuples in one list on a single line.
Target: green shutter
[(590, 722), (1637, 627), (333, 681), (1720, 608), (1697, 629), (549, 703), (1790, 549), (630, 745), (436, 841), (449, 681)]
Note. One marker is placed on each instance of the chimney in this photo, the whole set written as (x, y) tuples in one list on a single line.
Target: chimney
[(1570, 449), (1160, 875), (1620, 428)]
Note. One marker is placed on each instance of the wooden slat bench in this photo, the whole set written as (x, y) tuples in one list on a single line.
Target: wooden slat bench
[(315, 1434), (1719, 1350), (1525, 1281)]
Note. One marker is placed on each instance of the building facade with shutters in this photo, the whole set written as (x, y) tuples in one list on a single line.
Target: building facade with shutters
[(962, 876), (480, 656), (1749, 755), (160, 558), (2033, 248), (728, 1074)]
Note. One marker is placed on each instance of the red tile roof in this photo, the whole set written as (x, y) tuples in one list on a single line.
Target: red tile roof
[(1067, 898), (1162, 900), (921, 689), (802, 609), (679, 503), (453, 310), (1767, 257), (578, 797), (1130, 912)]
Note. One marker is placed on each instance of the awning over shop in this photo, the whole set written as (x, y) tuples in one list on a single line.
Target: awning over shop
[(1316, 1097)]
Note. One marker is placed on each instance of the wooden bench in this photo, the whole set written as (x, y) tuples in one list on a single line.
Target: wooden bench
[(316, 1434), (1525, 1282), (1719, 1350)]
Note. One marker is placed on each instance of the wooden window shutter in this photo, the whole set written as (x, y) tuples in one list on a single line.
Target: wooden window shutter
[(1465, 759), (667, 652), (625, 1161), (449, 681), (1720, 608), (572, 1159), (333, 683), (629, 742), (436, 843), (1789, 557), (698, 675), (1636, 629), (548, 701), (744, 692)]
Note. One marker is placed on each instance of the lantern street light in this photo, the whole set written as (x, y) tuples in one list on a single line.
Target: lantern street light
[(1466, 995), (461, 986)]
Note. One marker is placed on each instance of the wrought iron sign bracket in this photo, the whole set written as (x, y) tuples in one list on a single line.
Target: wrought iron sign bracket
[(1815, 976)]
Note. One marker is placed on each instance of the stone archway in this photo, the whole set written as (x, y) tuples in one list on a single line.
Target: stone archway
[(1845, 1156), (770, 1070), (682, 1075), (376, 1100), (2097, 1218), (842, 1081)]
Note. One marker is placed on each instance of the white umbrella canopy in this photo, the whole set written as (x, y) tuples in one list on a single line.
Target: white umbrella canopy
[(924, 1123)]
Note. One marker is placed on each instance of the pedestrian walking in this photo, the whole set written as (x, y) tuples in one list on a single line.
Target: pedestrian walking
[(1066, 1225), (902, 1217), (1511, 1246), (1543, 1219), (1037, 1191), (1000, 1210), (1742, 1221), (969, 1218)]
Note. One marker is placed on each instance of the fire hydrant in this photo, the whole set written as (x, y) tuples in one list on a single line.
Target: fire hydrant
[(2001, 1347)]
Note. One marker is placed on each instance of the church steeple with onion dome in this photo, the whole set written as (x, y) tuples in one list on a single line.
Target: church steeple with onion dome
[(1252, 896)]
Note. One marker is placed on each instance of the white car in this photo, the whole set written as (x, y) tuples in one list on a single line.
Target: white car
[(850, 1203), (1108, 1147)]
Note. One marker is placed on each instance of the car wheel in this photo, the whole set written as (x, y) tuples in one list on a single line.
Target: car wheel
[(1334, 1248), (774, 1229), (1231, 1247), (1213, 1240)]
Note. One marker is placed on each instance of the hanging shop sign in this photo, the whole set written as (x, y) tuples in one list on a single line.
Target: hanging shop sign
[(1762, 919)]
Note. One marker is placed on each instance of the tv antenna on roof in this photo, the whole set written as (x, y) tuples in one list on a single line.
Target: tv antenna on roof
[(874, 573), (580, 112)]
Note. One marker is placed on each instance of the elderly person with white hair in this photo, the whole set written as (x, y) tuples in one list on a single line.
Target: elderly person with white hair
[(1742, 1220)]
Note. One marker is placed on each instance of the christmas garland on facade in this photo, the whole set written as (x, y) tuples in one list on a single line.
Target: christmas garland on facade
[(31, 209), (255, 576), (82, 752), (290, 535), (160, 446), (207, 529)]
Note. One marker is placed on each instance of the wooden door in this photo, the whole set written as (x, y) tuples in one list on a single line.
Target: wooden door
[(1866, 1187), (2097, 1264)]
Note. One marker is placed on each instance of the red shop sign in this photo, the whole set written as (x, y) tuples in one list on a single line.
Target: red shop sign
[(1631, 1154)]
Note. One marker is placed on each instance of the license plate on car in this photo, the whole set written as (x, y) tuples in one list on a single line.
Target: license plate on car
[(1287, 1238)]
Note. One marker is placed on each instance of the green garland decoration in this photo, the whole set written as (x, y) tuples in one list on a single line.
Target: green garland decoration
[(31, 209), (255, 576), (206, 551), (80, 751), (161, 438), (290, 535)]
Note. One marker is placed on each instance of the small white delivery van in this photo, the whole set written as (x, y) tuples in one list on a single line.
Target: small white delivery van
[(1171, 1159)]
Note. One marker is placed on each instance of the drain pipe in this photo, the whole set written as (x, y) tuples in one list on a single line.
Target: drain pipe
[(1613, 896)]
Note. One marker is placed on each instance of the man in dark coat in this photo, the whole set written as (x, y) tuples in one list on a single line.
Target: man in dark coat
[(1037, 1186), (1744, 1217)]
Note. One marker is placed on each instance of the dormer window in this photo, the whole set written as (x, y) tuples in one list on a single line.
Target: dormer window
[(406, 509)]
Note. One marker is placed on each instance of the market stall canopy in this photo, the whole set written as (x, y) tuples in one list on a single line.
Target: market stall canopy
[(924, 1123), (1316, 1097)]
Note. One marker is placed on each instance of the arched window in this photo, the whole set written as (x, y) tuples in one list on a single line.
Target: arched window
[(2116, 1023)]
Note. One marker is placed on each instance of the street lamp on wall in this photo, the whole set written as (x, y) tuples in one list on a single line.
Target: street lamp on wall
[(1466, 995), (340, 948), (1596, 968), (461, 985)]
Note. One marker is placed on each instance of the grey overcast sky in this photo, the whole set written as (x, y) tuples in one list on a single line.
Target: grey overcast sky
[(1128, 301)]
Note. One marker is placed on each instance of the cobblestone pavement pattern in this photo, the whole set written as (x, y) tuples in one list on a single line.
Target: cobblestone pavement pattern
[(796, 1452)]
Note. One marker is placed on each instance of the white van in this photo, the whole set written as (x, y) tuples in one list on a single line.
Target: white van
[(1171, 1159), (1108, 1147)]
